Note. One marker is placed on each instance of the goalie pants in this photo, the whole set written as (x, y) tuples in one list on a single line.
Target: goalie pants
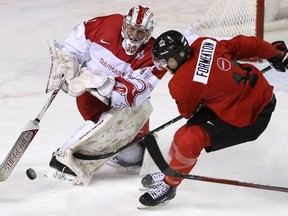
[(208, 131)]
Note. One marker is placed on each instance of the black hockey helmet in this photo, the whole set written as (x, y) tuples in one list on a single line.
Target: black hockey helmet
[(170, 44)]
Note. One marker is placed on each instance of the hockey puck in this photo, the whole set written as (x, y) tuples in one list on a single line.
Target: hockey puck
[(31, 174)]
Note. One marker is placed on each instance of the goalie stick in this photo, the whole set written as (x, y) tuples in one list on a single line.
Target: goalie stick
[(155, 153), (106, 155), (25, 139)]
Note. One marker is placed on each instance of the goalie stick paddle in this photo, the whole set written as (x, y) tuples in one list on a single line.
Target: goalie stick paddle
[(106, 155), (154, 151), (25, 139)]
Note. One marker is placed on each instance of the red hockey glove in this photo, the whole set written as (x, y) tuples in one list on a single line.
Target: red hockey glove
[(278, 61)]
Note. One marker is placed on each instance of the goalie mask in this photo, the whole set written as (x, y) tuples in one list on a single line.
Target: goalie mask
[(137, 28), (170, 50)]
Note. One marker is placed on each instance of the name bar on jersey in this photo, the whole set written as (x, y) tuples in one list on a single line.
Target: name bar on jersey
[(204, 61)]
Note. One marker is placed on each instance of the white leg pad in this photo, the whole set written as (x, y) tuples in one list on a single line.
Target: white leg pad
[(115, 129)]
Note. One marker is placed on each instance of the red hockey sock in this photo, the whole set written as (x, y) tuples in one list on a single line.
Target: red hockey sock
[(185, 149)]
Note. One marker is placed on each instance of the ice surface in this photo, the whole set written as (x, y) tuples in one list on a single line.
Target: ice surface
[(24, 64)]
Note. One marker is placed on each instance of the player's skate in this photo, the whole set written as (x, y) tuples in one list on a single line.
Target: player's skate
[(152, 180), (159, 195)]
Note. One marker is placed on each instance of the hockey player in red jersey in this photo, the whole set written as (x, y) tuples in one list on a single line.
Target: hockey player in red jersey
[(227, 102), (107, 62)]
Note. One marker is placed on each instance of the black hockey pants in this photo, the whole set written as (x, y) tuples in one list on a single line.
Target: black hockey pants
[(223, 135)]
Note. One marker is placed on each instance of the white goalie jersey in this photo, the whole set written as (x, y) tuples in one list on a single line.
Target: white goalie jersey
[(94, 60), (96, 47)]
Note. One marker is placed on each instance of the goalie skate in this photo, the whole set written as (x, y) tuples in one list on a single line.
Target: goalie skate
[(124, 167), (60, 171), (56, 174)]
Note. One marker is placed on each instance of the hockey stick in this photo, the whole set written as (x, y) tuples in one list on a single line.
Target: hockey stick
[(25, 139), (106, 155), (154, 151), (266, 69)]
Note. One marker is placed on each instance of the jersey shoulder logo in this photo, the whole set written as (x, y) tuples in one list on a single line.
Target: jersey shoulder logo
[(223, 64)]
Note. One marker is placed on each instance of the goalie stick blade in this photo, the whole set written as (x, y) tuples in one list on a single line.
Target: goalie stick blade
[(18, 149)]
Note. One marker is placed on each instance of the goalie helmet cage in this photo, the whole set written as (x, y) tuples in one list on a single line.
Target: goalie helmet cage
[(228, 18)]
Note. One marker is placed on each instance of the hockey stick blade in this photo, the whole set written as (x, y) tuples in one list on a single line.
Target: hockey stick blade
[(25, 138), (81, 156), (161, 163)]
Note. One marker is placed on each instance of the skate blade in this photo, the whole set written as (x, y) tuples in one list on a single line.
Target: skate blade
[(144, 189), (53, 173), (142, 207)]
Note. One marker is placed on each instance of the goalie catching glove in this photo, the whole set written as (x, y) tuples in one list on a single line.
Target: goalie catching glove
[(62, 63), (280, 60)]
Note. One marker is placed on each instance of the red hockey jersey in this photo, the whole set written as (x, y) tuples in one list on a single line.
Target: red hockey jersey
[(237, 93)]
